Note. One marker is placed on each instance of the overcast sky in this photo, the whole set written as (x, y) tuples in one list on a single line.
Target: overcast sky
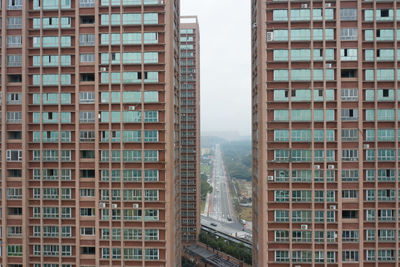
[(225, 52)]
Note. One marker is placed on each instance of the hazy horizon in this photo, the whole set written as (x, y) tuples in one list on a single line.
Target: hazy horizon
[(225, 72)]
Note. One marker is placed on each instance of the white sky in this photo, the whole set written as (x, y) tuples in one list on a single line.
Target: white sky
[(225, 51)]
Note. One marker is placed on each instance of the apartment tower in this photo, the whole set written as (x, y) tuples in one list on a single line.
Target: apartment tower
[(190, 127), (325, 133), (90, 133)]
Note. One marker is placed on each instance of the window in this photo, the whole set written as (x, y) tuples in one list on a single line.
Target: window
[(14, 211), (90, 231), (105, 253), (280, 15), (85, 58), (86, 39), (87, 192), (14, 193), (350, 194), (87, 154), (281, 236), (14, 60), (86, 97), (14, 78), (349, 74), (87, 19), (14, 250), (350, 134), (14, 4), (386, 195), (301, 196), (87, 211), (14, 155), (151, 234), (14, 98), (88, 250), (349, 114), (349, 214), (350, 256), (349, 94), (152, 254), (14, 22), (86, 136), (301, 256), (348, 34), (348, 14), (281, 256), (87, 77), (87, 173), (86, 3), (301, 216), (14, 40), (386, 235), (349, 154), (86, 116), (281, 215), (349, 175), (14, 231), (386, 215), (348, 54), (14, 173)]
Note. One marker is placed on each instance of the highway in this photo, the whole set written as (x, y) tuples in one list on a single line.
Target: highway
[(220, 205)]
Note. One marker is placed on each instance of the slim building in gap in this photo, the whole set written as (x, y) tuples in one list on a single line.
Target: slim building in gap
[(325, 133), (190, 127), (90, 133)]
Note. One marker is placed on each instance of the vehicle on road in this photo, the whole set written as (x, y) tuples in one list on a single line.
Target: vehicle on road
[(214, 224), (243, 221), (229, 219)]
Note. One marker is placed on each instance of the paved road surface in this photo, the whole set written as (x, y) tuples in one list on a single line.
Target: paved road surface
[(219, 203), (220, 206)]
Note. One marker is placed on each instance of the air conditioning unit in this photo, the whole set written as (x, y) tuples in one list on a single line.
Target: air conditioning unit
[(304, 5), (135, 206), (270, 178), (335, 235), (328, 65), (254, 25), (328, 5), (304, 227), (103, 69), (102, 205), (270, 36), (331, 167), (131, 107), (114, 206), (317, 167), (297, 266), (366, 146), (332, 207)]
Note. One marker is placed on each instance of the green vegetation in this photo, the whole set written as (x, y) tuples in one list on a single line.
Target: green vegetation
[(205, 168), (205, 173), (239, 251), (205, 187), (187, 263), (237, 158)]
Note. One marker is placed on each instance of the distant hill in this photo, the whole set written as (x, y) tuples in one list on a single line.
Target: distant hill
[(227, 135), (237, 158), (209, 141)]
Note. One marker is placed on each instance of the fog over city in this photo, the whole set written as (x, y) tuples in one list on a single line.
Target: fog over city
[(225, 63)]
